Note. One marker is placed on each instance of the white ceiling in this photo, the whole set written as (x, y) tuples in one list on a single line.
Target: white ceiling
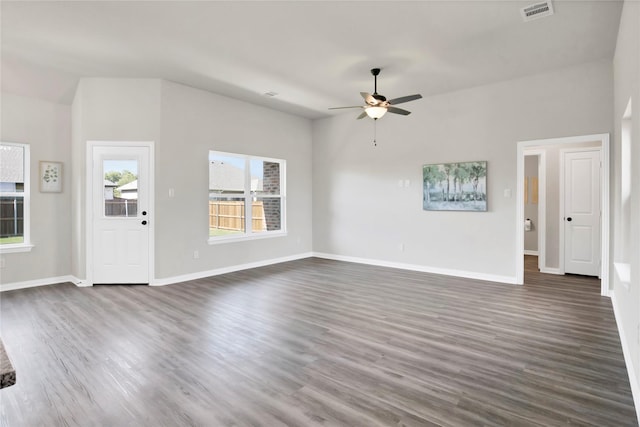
[(315, 55)]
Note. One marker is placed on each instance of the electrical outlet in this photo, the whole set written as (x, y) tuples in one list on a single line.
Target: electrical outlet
[(196, 254), (2, 262), (401, 247)]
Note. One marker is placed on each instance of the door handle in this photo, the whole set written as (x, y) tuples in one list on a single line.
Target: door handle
[(569, 219), (144, 222)]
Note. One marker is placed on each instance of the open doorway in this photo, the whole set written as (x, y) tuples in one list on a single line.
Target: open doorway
[(535, 206), (559, 233)]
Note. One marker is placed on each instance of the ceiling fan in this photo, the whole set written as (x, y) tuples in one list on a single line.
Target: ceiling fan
[(377, 105)]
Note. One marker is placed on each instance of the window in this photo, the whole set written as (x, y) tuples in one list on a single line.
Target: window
[(120, 188), (246, 196), (14, 197)]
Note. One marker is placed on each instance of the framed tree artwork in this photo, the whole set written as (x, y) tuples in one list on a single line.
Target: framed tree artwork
[(455, 186)]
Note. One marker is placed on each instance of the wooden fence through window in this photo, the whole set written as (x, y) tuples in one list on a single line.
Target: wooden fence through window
[(229, 215), (11, 216), (121, 207)]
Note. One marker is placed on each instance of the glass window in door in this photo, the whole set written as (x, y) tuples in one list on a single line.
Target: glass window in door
[(120, 188)]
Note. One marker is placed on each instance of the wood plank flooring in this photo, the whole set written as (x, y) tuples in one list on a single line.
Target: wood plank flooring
[(317, 343)]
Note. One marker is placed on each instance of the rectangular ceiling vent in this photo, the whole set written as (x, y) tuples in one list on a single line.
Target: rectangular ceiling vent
[(537, 11)]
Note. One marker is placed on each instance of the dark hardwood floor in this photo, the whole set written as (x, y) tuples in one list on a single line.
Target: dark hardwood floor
[(317, 342)]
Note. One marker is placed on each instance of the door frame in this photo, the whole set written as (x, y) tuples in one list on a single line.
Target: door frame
[(561, 195), (603, 138), (89, 203), (541, 226)]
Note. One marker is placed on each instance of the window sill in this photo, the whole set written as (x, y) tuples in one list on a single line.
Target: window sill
[(10, 249), (231, 239)]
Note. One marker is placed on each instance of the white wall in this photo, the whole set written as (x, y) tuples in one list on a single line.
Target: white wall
[(194, 122), (359, 211), (626, 299), (531, 208), (46, 127)]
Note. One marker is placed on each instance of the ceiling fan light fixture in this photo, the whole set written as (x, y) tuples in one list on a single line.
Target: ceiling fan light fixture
[(375, 112), (377, 105)]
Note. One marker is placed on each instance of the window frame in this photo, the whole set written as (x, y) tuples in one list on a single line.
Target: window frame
[(26, 245), (248, 197)]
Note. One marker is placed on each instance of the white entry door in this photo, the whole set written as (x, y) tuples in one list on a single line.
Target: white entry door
[(582, 212), (120, 212)]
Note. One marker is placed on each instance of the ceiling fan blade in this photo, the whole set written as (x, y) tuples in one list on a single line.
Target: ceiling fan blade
[(407, 98), (362, 115), (398, 111), (368, 98), (341, 108)]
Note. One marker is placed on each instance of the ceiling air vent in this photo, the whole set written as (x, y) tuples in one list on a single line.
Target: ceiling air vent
[(537, 11)]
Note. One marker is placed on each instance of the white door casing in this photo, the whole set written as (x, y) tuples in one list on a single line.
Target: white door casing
[(581, 211), (120, 241), (570, 141)]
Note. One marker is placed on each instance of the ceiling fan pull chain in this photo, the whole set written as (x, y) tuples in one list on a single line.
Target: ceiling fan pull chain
[(375, 128)]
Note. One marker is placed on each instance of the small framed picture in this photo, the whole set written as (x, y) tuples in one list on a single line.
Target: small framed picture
[(50, 177)]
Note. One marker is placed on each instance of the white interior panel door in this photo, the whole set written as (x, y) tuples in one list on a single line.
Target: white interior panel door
[(582, 212), (120, 204)]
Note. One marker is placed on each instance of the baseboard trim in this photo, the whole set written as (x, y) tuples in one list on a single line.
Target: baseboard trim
[(224, 270), (157, 282), (36, 282), (633, 380), (421, 268), (534, 253), (547, 270)]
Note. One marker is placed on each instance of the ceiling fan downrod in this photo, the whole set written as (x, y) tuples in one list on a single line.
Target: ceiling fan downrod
[(375, 72)]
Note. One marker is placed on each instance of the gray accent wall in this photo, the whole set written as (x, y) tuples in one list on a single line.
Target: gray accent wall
[(361, 211)]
